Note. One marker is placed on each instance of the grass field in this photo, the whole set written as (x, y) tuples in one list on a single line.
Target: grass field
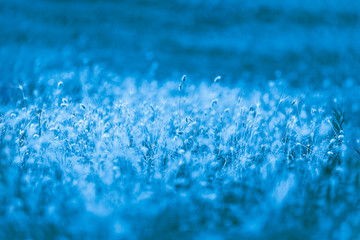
[(102, 136)]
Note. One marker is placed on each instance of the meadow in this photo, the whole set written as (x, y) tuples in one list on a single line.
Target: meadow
[(179, 136)]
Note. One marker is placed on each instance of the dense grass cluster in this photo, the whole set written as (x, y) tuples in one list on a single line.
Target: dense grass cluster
[(175, 160)]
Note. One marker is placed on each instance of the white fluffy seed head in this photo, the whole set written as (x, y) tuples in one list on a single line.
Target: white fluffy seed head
[(217, 79), (183, 79), (214, 102)]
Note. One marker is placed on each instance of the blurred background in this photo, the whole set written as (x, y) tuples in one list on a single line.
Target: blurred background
[(308, 43)]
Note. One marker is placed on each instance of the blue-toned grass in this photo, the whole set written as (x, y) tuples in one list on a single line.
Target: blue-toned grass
[(170, 161)]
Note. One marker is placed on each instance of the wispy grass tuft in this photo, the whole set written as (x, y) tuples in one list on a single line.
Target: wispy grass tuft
[(223, 162)]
